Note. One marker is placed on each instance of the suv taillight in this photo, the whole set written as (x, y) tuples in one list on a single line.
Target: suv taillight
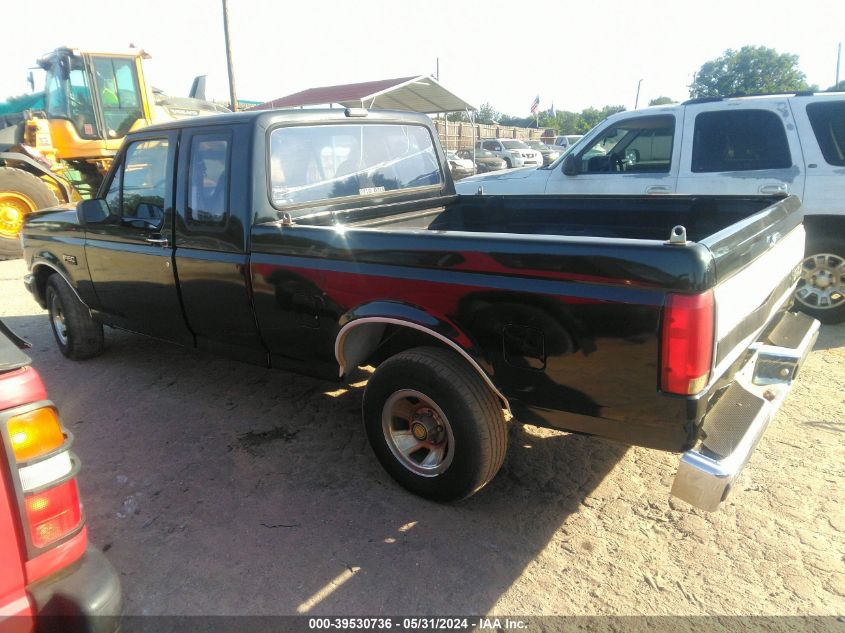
[(43, 473), (686, 343)]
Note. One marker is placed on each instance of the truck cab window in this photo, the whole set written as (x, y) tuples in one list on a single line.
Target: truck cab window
[(741, 140), (638, 145), (72, 99), (828, 121), (208, 188), (309, 163), (143, 177)]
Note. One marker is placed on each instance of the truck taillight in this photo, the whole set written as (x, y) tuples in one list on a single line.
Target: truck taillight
[(687, 343), (35, 433), (53, 513)]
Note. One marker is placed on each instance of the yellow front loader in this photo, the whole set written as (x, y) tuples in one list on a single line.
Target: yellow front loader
[(58, 149)]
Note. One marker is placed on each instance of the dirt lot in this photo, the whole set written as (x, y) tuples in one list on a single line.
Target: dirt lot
[(222, 488)]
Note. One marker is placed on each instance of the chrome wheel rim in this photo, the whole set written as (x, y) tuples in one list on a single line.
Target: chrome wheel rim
[(58, 320), (418, 433), (822, 283)]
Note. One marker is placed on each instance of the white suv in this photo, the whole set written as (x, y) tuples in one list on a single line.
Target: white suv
[(775, 145), (514, 152)]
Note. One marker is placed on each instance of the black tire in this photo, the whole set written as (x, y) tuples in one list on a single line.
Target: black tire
[(81, 336), (473, 415), (807, 298), (508, 163), (19, 181)]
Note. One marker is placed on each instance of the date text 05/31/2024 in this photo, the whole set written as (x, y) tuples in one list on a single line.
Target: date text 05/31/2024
[(417, 624)]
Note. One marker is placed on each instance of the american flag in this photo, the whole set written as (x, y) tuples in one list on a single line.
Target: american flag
[(535, 104)]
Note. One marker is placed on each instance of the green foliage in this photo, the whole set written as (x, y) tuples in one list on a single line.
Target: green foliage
[(661, 101), (840, 87), (487, 114), (751, 70)]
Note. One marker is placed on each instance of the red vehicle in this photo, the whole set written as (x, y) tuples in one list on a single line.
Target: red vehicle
[(51, 578)]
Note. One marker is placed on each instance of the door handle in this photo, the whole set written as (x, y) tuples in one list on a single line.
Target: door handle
[(658, 189), (158, 241), (780, 188)]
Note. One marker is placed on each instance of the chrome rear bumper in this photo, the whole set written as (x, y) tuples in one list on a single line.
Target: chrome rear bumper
[(734, 425)]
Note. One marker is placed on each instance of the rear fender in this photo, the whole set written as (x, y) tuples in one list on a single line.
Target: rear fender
[(362, 329)]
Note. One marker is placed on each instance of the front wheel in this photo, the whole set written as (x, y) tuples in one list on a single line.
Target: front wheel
[(434, 424), (77, 334), (21, 193), (821, 289)]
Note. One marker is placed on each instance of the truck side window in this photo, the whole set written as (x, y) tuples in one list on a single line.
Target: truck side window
[(208, 188), (740, 140), (143, 181), (828, 121), (635, 145)]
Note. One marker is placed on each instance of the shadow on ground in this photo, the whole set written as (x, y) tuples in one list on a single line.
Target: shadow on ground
[(222, 488)]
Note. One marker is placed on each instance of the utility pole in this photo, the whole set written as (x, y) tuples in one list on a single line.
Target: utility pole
[(838, 58), (637, 100), (232, 96)]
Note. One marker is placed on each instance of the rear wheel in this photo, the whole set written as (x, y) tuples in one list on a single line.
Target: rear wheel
[(77, 334), (508, 163), (21, 193), (434, 424), (821, 289)]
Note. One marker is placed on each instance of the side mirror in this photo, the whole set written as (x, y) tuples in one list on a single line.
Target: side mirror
[(94, 211), (571, 165)]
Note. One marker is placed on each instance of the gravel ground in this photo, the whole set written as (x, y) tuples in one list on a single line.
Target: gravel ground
[(222, 488)]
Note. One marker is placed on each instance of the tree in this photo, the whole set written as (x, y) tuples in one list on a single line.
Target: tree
[(487, 114), (751, 70), (661, 101), (838, 87)]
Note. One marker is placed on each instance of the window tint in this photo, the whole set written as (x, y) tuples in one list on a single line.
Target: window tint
[(331, 161), (144, 177), (637, 145), (828, 121), (740, 140), (208, 189)]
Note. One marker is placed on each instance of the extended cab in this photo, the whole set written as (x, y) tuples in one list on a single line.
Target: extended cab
[(52, 579), (786, 144), (324, 241)]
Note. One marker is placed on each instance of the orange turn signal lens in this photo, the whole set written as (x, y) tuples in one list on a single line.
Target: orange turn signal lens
[(35, 433)]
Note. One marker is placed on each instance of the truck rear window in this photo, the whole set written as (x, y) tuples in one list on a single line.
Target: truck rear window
[(828, 121), (320, 162)]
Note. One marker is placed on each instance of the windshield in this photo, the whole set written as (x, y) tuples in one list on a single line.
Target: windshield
[(117, 84), (320, 162), (515, 145)]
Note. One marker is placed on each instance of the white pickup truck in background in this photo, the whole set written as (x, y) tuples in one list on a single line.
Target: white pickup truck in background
[(790, 144)]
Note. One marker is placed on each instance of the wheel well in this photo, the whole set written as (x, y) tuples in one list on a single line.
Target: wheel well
[(374, 341), (824, 225), (41, 274)]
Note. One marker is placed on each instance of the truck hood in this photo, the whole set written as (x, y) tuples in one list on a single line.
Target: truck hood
[(522, 180)]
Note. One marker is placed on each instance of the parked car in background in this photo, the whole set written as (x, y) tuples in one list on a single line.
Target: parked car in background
[(567, 140), (52, 579), (514, 152), (548, 152), (484, 160), (771, 145), (459, 166)]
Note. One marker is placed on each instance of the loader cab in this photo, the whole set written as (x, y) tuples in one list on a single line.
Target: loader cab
[(101, 97)]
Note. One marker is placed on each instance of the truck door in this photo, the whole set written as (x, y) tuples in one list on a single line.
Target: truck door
[(631, 156), (130, 253), (741, 147), (212, 225)]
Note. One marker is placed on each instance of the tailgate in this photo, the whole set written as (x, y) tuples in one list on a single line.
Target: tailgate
[(757, 264)]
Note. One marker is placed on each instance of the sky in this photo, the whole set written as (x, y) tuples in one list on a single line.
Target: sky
[(572, 54)]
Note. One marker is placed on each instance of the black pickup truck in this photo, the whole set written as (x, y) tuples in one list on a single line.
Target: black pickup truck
[(325, 241)]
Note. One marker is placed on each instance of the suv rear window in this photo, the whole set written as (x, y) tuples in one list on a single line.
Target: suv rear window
[(319, 162), (740, 140), (828, 121)]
